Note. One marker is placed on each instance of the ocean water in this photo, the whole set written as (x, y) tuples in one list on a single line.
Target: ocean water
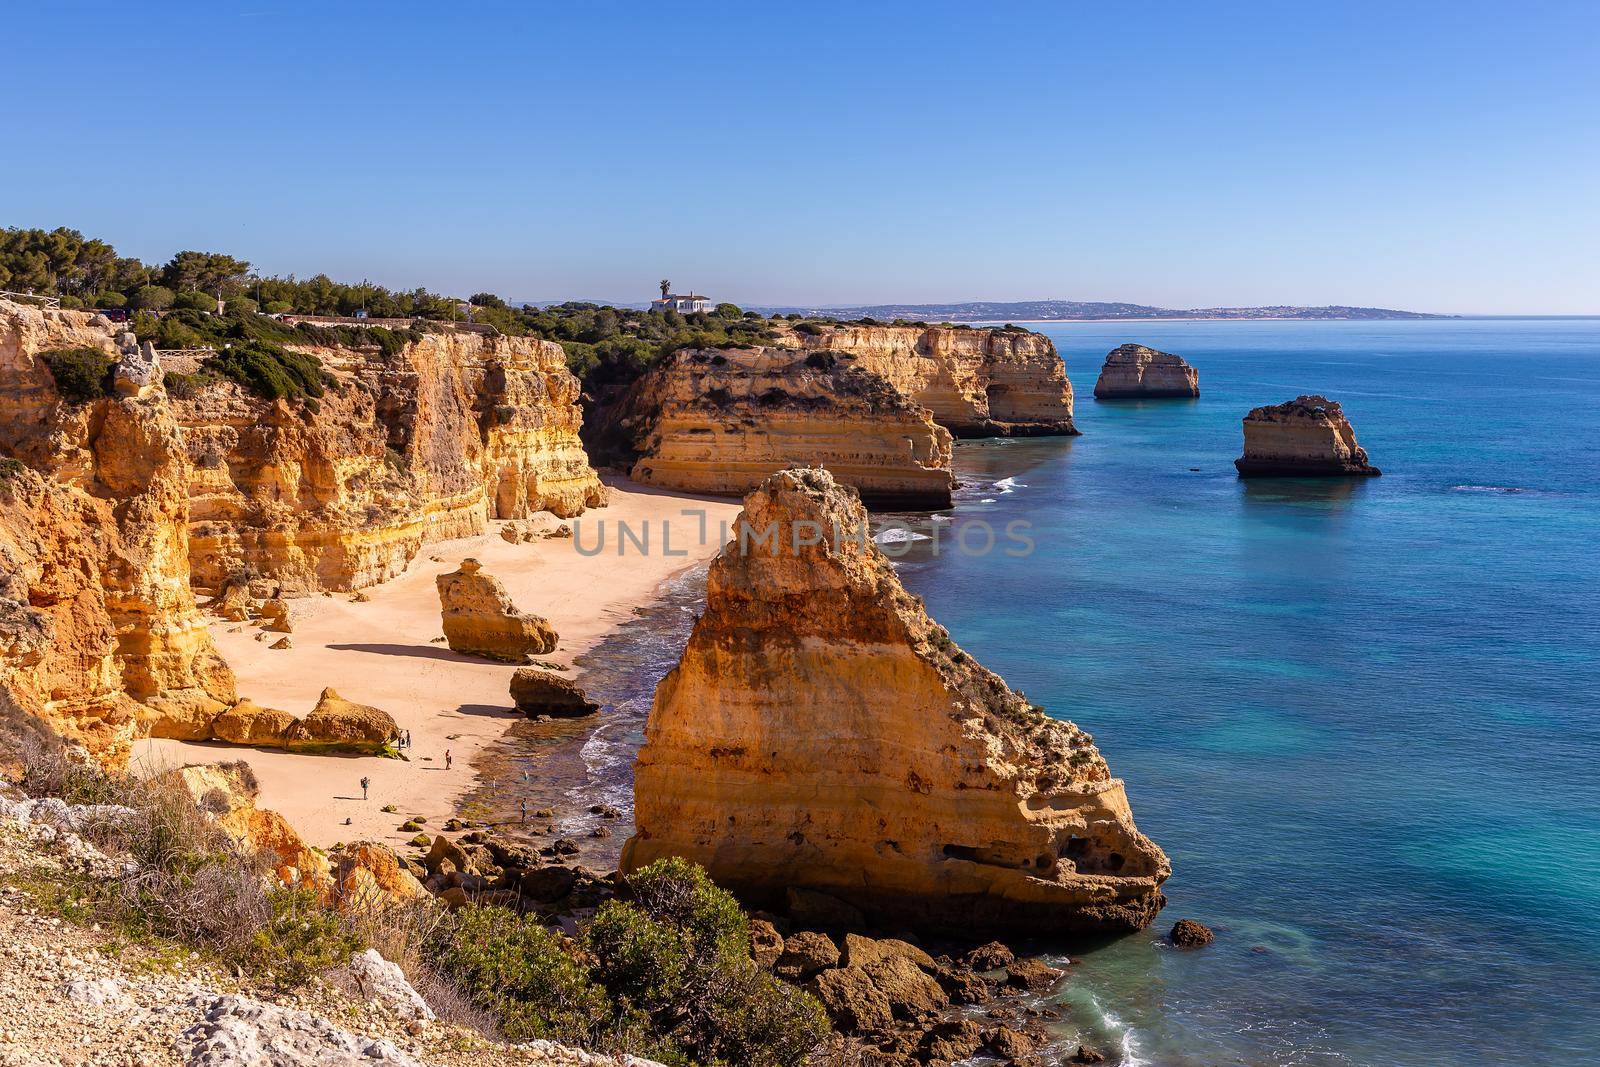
[(1361, 716)]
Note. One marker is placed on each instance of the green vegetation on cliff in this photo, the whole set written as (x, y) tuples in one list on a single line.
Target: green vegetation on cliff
[(667, 974)]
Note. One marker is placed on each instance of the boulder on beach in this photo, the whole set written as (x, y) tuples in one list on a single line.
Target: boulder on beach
[(480, 620), (537, 692), (248, 723), (1134, 371), (1307, 437), (337, 724)]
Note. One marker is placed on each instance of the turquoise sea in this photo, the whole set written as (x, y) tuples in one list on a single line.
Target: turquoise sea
[(1361, 716)]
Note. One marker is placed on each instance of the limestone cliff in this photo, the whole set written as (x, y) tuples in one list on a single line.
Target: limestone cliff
[(419, 445), (1134, 371), (822, 733), (99, 634), (720, 421), (976, 382), (1308, 436)]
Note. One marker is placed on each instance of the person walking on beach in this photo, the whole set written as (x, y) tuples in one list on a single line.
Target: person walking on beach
[(447, 759), (364, 783)]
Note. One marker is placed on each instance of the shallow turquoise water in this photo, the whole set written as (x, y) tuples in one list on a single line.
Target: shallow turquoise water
[(1361, 716)]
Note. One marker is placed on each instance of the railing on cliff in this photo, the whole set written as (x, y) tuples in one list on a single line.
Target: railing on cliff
[(41, 298)]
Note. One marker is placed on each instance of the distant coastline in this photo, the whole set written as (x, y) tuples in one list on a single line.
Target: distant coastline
[(1092, 311)]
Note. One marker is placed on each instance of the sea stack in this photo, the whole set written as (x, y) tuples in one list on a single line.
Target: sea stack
[(1307, 437), (1134, 371), (823, 739)]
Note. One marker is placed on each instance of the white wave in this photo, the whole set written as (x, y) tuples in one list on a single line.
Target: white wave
[(987, 500), (944, 518), (896, 535), (1488, 489), (1006, 485)]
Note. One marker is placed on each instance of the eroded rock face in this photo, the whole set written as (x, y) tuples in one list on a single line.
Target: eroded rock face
[(720, 421), (423, 444), (822, 734), (976, 382), (99, 634), (1304, 437), (1134, 371), (480, 619)]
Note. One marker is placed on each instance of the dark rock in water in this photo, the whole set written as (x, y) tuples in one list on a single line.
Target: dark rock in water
[(990, 957), (953, 1040), (1186, 933), (1085, 1054), (1033, 975), (963, 986), (537, 692), (1008, 1044), (1307, 437)]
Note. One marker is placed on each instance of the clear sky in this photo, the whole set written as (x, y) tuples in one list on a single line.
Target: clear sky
[(1431, 156)]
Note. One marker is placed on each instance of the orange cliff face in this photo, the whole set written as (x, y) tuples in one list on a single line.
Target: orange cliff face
[(976, 382), (721, 420), (99, 633), (114, 507), (425, 444), (822, 733)]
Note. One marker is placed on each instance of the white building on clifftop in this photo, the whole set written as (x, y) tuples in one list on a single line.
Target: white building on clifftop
[(683, 304)]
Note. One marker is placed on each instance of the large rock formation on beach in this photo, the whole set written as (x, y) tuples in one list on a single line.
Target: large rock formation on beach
[(99, 633), (719, 421), (823, 739), (976, 382), (480, 619), (423, 443), (1134, 371), (1304, 437)]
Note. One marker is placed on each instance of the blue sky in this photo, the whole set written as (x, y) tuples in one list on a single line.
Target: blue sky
[(1432, 156)]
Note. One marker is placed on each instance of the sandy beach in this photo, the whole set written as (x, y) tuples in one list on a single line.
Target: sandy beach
[(382, 652)]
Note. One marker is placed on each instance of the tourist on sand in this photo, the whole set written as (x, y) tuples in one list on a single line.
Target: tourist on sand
[(447, 759), (364, 783)]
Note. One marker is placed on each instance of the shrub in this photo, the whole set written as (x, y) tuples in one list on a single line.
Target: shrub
[(110, 300), (810, 329), (298, 939), (183, 386), (270, 371), (680, 952), (9, 469), (81, 374), (528, 977), (71, 303)]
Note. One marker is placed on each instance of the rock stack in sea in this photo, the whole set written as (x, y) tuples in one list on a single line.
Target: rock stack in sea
[(823, 744), (1304, 437), (1134, 371)]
